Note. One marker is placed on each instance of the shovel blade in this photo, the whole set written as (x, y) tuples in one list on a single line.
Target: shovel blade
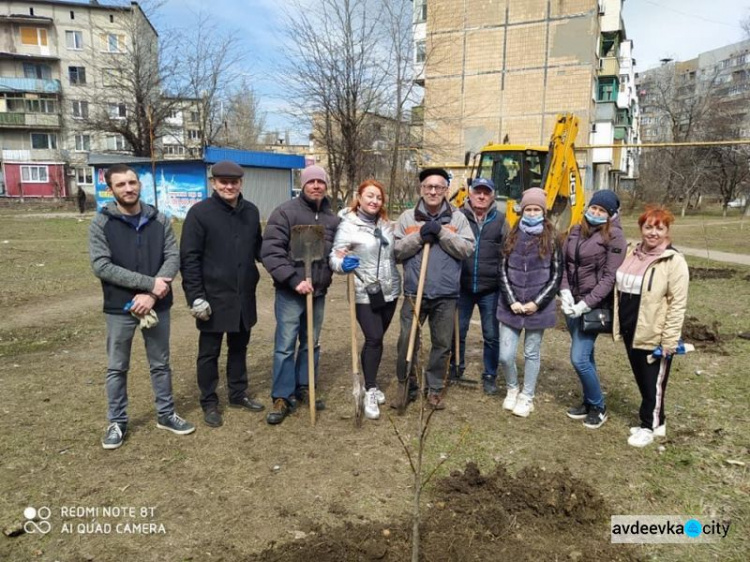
[(308, 242)]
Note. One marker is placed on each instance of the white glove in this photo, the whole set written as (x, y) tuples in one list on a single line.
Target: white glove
[(201, 310), (579, 308), (148, 320), (566, 298)]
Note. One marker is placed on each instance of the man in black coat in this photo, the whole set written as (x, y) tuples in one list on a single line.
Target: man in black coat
[(221, 241)]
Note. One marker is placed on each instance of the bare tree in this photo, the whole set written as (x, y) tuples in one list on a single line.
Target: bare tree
[(244, 122)]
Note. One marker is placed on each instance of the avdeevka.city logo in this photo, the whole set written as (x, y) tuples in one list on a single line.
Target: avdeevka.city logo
[(37, 520), (693, 528), (674, 529)]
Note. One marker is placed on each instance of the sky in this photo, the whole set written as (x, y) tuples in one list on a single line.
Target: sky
[(677, 29)]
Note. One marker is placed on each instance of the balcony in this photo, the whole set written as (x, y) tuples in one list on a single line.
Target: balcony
[(29, 120), (609, 66), (605, 111), (29, 85)]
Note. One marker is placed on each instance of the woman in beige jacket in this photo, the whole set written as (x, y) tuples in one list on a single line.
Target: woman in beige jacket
[(651, 296)]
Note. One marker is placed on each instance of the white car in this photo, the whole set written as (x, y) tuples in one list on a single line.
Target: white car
[(736, 204)]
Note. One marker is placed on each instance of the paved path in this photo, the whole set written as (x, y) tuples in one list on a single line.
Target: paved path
[(741, 259)]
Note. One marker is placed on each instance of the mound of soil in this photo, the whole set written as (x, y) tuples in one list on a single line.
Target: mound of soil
[(711, 273), (696, 332), (536, 515)]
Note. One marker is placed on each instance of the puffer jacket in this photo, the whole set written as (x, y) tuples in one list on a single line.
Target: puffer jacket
[(590, 276), (527, 277), (358, 237), (664, 295)]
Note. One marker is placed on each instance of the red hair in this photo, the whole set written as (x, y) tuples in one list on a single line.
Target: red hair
[(656, 214), (382, 214)]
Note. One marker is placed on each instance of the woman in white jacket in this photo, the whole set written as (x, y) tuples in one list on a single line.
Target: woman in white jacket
[(364, 245)]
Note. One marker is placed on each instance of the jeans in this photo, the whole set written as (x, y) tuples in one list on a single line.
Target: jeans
[(582, 359), (209, 350), (490, 331), (440, 313), (374, 325), (290, 360), (120, 331), (532, 344)]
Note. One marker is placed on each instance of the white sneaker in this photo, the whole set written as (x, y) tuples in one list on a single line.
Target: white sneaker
[(660, 431), (372, 412), (380, 396), (524, 406), (641, 438), (510, 399)]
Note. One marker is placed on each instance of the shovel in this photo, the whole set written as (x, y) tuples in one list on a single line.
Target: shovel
[(414, 325), (308, 245), (358, 390)]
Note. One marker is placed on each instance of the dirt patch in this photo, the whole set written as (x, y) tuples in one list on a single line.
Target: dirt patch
[(478, 517), (711, 273), (698, 333)]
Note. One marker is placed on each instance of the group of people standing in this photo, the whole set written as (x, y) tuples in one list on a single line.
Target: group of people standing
[(471, 260)]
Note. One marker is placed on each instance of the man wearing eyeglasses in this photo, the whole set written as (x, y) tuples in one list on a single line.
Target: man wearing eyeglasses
[(432, 220)]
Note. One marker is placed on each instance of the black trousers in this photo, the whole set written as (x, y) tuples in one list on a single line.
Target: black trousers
[(209, 349), (652, 382), (374, 325)]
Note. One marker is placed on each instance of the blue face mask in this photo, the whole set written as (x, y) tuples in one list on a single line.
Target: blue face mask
[(532, 221), (595, 221)]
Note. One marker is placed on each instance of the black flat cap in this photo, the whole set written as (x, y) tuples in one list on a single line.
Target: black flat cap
[(226, 169), (427, 172)]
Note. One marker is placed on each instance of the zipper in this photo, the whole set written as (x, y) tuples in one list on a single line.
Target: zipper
[(651, 279)]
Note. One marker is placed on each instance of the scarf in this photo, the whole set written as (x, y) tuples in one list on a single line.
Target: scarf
[(536, 229)]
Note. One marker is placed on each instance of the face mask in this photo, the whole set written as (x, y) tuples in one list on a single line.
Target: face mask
[(595, 221), (532, 221)]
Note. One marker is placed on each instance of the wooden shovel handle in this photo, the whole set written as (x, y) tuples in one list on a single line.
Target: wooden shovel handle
[(418, 304), (310, 355)]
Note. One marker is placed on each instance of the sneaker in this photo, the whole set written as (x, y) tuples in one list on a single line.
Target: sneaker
[(379, 396), (660, 431), (435, 401), (489, 386), (372, 412), (510, 399), (212, 417), (114, 436), (175, 424), (595, 418), (579, 412), (303, 395), (524, 406), (641, 438), (279, 411)]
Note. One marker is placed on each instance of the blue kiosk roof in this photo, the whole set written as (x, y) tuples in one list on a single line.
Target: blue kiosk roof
[(213, 154)]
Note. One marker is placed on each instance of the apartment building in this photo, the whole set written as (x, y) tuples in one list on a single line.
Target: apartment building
[(501, 70), (59, 63)]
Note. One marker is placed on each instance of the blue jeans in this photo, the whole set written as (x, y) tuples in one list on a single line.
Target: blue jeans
[(120, 331), (290, 361), (582, 359), (532, 344), (490, 331)]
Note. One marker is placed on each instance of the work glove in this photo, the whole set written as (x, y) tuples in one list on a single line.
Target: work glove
[(350, 263), (201, 310), (566, 302), (579, 308), (149, 320), (430, 232)]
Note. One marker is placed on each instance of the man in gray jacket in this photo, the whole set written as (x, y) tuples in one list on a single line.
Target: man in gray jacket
[(433, 220), (134, 253)]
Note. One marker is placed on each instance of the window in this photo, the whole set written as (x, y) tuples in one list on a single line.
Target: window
[(74, 40), (85, 175), (83, 143), (41, 105), (34, 36), (607, 88), (420, 11), (43, 141), (174, 114), (112, 42), (37, 71), (72, 15), (194, 116), (194, 134), (116, 142), (110, 76), (80, 109), (175, 149), (15, 105), (117, 110), (34, 174), (77, 74), (111, 18), (421, 52)]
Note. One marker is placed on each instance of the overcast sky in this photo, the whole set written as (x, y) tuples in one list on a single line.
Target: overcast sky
[(679, 29)]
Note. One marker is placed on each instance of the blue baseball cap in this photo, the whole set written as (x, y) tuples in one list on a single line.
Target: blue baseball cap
[(483, 182)]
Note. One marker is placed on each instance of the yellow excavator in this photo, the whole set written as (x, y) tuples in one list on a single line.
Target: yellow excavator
[(516, 168)]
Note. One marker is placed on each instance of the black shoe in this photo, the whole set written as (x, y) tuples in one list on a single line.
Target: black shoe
[(490, 388), (248, 404), (303, 395), (212, 417), (279, 411), (595, 418), (579, 412)]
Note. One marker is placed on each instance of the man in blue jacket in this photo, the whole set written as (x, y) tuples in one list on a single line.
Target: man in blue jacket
[(221, 241), (479, 281), (134, 253)]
